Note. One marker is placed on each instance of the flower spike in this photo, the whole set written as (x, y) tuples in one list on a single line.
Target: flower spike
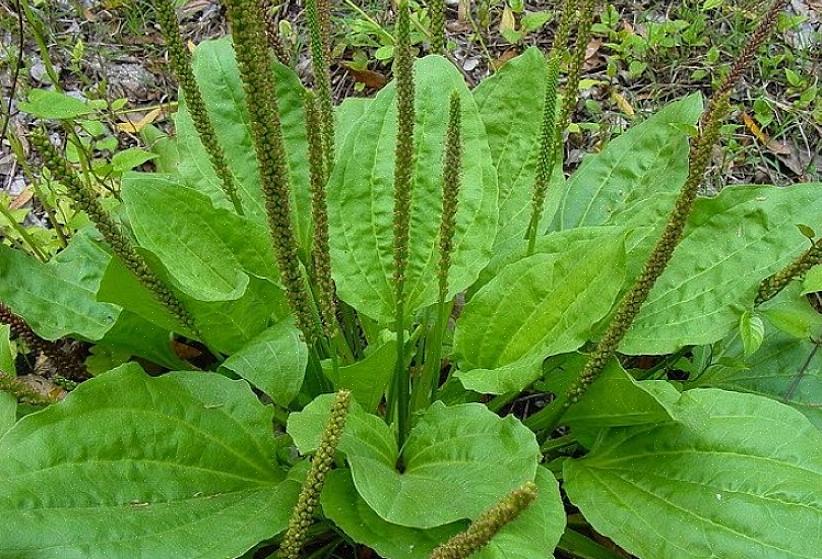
[(180, 59), (254, 60), (631, 303), (303, 514), (484, 528), (85, 199)]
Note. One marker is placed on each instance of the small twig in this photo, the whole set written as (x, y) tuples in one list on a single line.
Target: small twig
[(801, 373), (16, 73)]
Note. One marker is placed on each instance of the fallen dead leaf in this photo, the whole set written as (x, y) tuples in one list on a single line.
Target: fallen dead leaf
[(135, 126), (22, 199), (374, 80), (622, 103), (505, 57)]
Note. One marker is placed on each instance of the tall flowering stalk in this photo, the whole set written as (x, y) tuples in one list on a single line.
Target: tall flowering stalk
[(772, 286), (66, 365), (303, 514), (552, 127), (584, 30), (451, 178), (319, 212), (319, 18), (23, 392), (85, 199), (484, 528), (272, 31), (180, 59), (436, 13), (254, 61), (631, 303), (403, 185)]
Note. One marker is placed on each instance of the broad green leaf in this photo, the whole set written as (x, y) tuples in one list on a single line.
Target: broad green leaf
[(646, 161), (50, 104), (215, 67), (510, 104), (785, 368), (580, 546), (540, 306), (709, 284), (208, 251), (367, 379), (463, 450), (8, 403), (56, 299), (347, 114), (184, 464), (751, 330), (139, 337), (813, 280), (559, 242), (344, 507), (274, 361), (744, 485), (533, 534), (8, 412), (791, 312), (130, 158), (360, 198), (226, 325), (8, 354), (617, 400)]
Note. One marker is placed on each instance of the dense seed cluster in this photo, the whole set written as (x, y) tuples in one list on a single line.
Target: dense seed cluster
[(272, 31), (319, 213), (480, 532), (180, 60), (303, 514), (663, 250), (584, 30), (86, 200), (436, 13), (318, 20), (548, 147), (66, 365), (404, 161), (451, 175), (254, 61), (23, 392), (771, 287)]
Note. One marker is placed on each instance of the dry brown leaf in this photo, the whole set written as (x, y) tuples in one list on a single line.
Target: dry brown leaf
[(22, 199), (374, 80), (505, 57), (135, 126), (622, 103), (751, 125)]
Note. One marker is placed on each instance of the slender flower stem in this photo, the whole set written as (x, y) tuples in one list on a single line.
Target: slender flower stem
[(772, 286), (318, 20), (436, 13), (548, 148), (552, 127), (452, 169), (180, 59), (23, 392), (631, 303), (403, 185), (272, 31), (254, 61), (66, 365), (85, 199)]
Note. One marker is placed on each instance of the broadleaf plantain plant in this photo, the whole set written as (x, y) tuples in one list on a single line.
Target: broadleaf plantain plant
[(422, 255)]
